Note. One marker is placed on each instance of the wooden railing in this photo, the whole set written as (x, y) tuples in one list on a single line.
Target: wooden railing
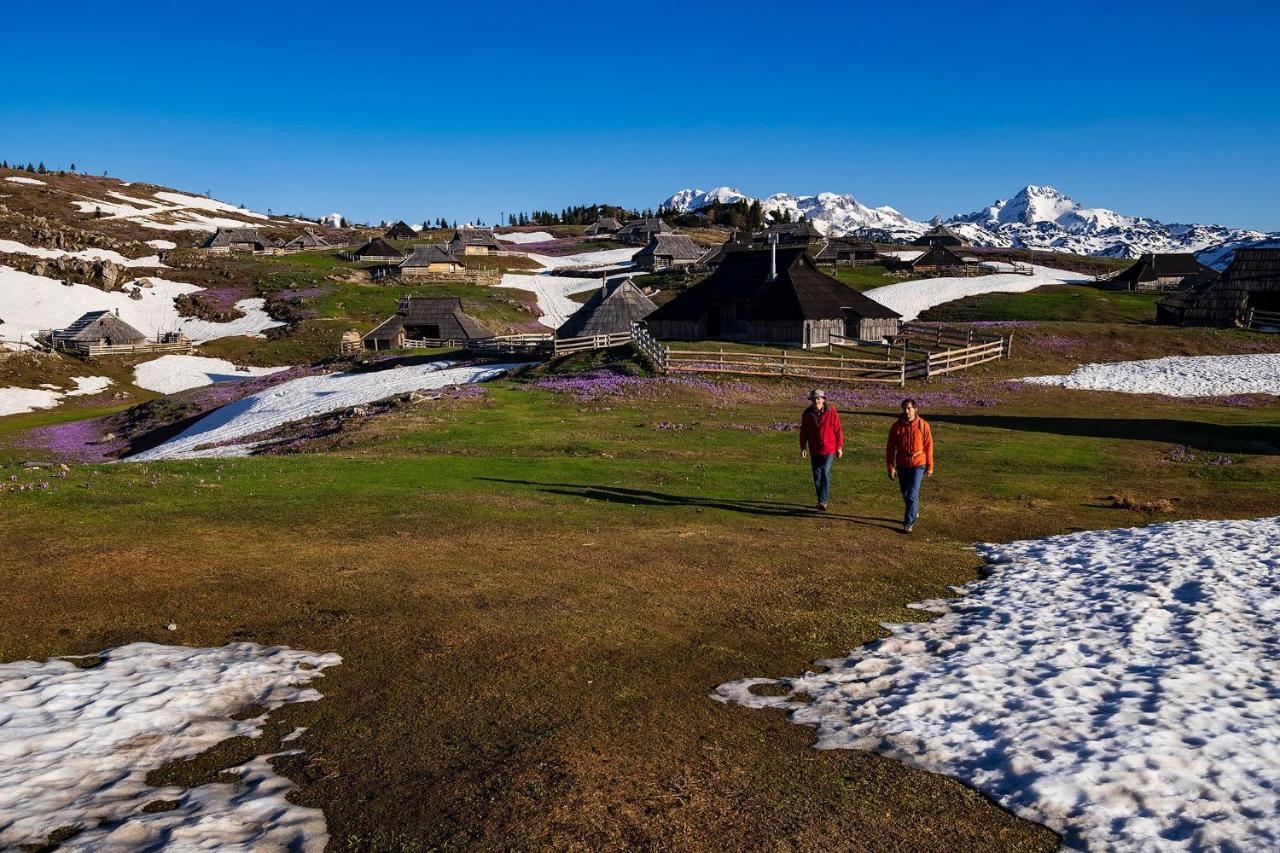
[(649, 348), (94, 350), (783, 363), (1260, 320)]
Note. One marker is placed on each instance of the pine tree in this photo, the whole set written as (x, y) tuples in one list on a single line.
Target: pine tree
[(41, 169), (73, 168), (30, 168)]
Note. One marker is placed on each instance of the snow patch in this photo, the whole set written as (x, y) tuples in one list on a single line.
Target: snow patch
[(170, 374), (913, 298), (14, 247), (76, 745), (1176, 376), (16, 401), (304, 398), (162, 245), (525, 237), (16, 180), (1118, 686), (552, 292)]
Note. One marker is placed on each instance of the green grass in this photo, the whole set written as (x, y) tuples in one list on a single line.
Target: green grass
[(366, 305), (1059, 302), (534, 594), (862, 278)]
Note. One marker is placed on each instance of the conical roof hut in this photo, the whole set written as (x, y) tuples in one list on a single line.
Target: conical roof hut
[(611, 310)]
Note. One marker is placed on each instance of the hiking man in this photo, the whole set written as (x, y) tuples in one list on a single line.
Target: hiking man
[(822, 440), (909, 455)]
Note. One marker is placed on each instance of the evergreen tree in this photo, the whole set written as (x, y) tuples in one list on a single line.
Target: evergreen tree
[(755, 216), (41, 169), (30, 168), (73, 167)]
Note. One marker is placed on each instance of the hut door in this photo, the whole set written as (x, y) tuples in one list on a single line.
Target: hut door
[(713, 320)]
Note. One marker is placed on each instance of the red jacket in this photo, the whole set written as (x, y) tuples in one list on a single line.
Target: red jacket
[(821, 434), (910, 444)]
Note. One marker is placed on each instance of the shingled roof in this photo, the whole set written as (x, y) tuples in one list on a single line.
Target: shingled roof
[(476, 237), (1150, 267), (835, 247), (377, 249), (638, 229), (604, 225), (799, 292), (678, 247), (96, 326), (1252, 278), (400, 231), (937, 256), (939, 234), (610, 310), (445, 313), (307, 240), (425, 256), (226, 237)]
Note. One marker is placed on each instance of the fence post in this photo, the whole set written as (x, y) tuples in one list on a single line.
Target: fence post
[(902, 370)]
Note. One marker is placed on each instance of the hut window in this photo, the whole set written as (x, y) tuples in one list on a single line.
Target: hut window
[(431, 332)]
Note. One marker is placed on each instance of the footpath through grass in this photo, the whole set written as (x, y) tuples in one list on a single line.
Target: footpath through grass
[(535, 592)]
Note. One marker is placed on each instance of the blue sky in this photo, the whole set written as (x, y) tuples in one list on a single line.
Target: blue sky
[(1169, 110)]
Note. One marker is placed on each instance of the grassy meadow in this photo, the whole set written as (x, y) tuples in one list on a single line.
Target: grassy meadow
[(535, 589)]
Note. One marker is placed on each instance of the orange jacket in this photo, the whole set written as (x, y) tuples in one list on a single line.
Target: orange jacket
[(910, 444)]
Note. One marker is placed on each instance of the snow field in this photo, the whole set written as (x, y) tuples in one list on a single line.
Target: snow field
[(162, 244), (170, 374), (519, 237), (29, 303), (14, 401), (913, 298), (17, 248), (302, 398), (601, 258), (76, 746), (17, 180), (553, 293), (190, 213), (1176, 376), (1119, 686)]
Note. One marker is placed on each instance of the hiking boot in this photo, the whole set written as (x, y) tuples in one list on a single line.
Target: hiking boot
[(822, 507), (907, 528)]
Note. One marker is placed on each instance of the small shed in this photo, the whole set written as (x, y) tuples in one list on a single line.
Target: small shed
[(236, 240), (97, 328), (789, 234), (938, 235), (776, 296), (400, 231), (430, 259), (306, 240), (605, 226), (846, 251), (1250, 283), (638, 231), (378, 249), (474, 241), (665, 251), (611, 310), (937, 258), (426, 318), (1155, 272)]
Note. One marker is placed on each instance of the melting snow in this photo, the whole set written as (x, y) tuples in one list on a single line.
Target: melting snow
[(1177, 376), (170, 374), (913, 298), (162, 244), (304, 398), (14, 401), (518, 237), (182, 212), (1119, 686), (16, 180), (553, 293), (77, 744), (84, 254)]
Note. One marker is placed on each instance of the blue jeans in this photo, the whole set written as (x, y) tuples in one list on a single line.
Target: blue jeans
[(909, 480), (822, 474)]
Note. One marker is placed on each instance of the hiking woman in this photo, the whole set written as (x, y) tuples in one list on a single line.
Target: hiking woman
[(822, 440), (909, 455)]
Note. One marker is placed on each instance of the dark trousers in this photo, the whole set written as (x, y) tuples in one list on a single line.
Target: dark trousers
[(909, 480), (822, 474)]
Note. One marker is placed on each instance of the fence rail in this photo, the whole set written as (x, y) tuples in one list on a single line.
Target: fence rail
[(1261, 320)]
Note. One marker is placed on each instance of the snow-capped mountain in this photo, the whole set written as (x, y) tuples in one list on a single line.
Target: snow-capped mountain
[(1035, 217), (830, 213)]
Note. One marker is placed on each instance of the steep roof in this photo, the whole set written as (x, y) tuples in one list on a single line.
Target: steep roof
[(423, 256), (1150, 267), (790, 230), (400, 231), (938, 232), (227, 236), (799, 292), (1223, 301), (476, 237), (676, 246), (610, 310), (834, 246), (444, 312), (378, 248), (97, 325), (604, 225), (635, 227), (938, 256), (307, 240)]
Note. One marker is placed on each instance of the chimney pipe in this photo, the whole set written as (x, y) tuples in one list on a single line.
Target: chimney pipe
[(773, 256)]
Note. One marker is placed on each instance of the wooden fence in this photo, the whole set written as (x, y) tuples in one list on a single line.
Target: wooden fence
[(538, 345), (831, 368), (1262, 320)]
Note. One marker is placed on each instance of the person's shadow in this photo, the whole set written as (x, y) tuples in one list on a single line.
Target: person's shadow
[(647, 497)]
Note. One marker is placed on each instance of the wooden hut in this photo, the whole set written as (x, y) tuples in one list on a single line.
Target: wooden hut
[(777, 297), (400, 231), (846, 251), (430, 259), (638, 231), (938, 259), (938, 235), (1155, 272), (306, 240), (1250, 284), (605, 226), (226, 240), (97, 328), (666, 251), (611, 310), (425, 318), (474, 241), (378, 249)]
